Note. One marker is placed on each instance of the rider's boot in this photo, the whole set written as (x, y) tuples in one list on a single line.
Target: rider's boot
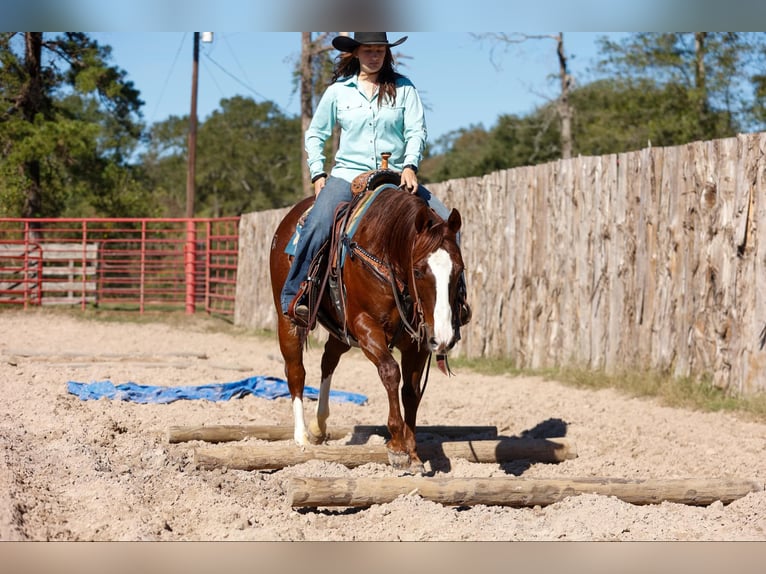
[(298, 310)]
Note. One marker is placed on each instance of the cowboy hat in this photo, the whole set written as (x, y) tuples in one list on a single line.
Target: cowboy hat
[(346, 44)]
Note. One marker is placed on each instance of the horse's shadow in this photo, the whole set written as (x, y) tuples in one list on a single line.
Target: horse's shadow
[(545, 451), (431, 443), (432, 450)]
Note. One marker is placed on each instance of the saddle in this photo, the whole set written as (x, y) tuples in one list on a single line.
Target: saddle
[(374, 178)]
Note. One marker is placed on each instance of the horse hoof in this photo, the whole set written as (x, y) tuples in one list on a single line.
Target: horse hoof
[(417, 468), (315, 439), (399, 460), (315, 434)]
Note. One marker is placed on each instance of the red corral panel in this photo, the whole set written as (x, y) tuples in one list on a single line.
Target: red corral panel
[(126, 264)]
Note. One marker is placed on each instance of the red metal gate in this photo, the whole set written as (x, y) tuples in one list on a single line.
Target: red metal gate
[(124, 264)]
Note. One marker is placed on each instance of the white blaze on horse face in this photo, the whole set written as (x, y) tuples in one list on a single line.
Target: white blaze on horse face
[(441, 266)]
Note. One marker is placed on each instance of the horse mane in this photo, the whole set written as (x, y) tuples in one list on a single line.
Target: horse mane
[(390, 229)]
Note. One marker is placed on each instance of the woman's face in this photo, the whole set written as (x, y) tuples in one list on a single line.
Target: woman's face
[(371, 58)]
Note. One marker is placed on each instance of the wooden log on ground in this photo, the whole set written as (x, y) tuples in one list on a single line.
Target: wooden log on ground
[(227, 433), (281, 454), (516, 492)]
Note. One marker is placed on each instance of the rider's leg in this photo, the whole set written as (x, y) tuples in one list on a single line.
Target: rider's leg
[(314, 233)]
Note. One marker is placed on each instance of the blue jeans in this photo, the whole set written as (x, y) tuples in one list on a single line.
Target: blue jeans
[(318, 225)]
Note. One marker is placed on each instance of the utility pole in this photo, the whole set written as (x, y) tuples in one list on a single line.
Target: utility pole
[(190, 172), (192, 165), (191, 241)]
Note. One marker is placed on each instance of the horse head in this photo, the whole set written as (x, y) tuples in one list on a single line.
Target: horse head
[(437, 264)]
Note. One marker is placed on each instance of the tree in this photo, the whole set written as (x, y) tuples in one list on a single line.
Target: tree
[(564, 109), (314, 75), (68, 123), (164, 165), (714, 69), (247, 160), (613, 116)]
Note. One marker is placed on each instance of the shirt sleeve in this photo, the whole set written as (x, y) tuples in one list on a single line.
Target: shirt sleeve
[(319, 130), (415, 132)]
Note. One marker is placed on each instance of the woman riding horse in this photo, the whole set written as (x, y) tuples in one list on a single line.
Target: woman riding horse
[(378, 110), (400, 281)]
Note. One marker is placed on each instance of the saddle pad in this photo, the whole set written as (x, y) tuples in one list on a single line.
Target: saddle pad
[(351, 226), (356, 217)]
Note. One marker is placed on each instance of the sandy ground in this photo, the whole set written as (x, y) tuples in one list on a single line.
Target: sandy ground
[(73, 470)]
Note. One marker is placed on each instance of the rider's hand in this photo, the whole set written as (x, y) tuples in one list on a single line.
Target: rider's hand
[(319, 184), (409, 180)]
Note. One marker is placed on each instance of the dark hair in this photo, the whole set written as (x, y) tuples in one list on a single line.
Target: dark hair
[(347, 65)]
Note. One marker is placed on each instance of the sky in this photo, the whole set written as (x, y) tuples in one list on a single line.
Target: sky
[(463, 81)]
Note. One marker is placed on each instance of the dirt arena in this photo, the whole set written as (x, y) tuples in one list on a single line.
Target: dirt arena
[(104, 470)]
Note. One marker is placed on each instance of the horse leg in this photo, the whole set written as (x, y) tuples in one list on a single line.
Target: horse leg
[(333, 349), (413, 364), (389, 373), (402, 454), (400, 447), (291, 340)]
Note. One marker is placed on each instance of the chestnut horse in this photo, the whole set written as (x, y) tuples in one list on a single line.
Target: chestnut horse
[(401, 278)]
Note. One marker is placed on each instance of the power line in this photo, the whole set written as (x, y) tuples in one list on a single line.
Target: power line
[(234, 55), (235, 78), (167, 77), (244, 84)]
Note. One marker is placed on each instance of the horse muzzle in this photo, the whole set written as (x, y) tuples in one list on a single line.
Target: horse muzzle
[(441, 345)]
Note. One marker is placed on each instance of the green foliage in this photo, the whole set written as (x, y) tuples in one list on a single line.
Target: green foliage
[(615, 116), (164, 165), (657, 89), (248, 159), (69, 134), (75, 141), (715, 69)]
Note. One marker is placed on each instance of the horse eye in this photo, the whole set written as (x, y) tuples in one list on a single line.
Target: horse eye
[(418, 274)]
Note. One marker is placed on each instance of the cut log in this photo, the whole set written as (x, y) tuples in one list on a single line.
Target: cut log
[(286, 453), (517, 492), (227, 433)]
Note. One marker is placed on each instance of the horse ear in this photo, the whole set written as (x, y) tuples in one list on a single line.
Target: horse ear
[(455, 221), (422, 220)]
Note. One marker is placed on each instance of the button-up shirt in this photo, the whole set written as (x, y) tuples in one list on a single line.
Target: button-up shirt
[(366, 129)]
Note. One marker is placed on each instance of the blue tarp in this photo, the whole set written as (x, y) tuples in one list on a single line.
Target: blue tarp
[(264, 387)]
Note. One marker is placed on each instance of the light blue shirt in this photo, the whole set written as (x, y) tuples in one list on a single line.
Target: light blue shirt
[(366, 129)]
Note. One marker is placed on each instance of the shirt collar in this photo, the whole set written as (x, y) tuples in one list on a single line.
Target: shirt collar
[(350, 80)]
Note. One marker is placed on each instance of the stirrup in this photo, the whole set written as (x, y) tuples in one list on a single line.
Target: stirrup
[(298, 310)]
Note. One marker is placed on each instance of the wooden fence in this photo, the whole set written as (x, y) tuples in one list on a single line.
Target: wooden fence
[(645, 260), (48, 273)]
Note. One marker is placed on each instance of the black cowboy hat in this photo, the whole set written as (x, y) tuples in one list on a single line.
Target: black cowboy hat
[(346, 44)]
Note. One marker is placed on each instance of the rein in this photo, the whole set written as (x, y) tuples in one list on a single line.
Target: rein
[(418, 333)]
